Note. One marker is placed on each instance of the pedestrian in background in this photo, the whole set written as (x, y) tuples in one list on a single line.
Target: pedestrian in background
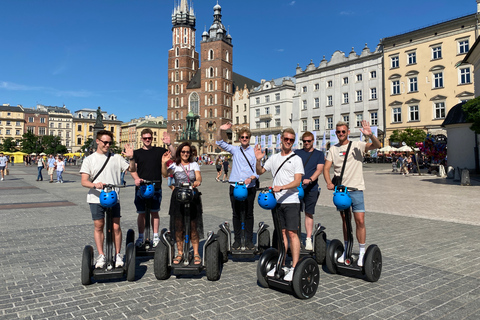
[(40, 165), (60, 166)]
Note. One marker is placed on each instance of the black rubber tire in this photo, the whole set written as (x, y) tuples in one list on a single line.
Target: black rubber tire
[(265, 263), (334, 250), (130, 237), (160, 262), (373, 263), (213, 261), (306, 278), (223, 242), (264, 241), (320, 247), (130, 261), (87, 265)]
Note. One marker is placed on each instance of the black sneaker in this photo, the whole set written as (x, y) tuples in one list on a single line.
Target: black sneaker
[(249, 245), (236, 245)]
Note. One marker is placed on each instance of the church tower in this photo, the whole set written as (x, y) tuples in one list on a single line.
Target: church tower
[(216, 79), (182, 66)]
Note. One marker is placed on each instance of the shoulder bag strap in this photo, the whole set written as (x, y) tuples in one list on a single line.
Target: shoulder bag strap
[(345, 161), (251, 167), (103, 167), (311, 154), (293, 155)]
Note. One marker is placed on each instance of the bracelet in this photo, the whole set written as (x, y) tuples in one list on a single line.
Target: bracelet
[(169, 144)]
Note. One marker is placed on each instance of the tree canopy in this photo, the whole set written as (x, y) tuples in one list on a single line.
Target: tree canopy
[(409, 136), (472, 111)]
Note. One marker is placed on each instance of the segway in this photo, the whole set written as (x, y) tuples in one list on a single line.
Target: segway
[(306, 275), (108, 199), (240, 194), (165, 250), (372, 263), (146, 191)]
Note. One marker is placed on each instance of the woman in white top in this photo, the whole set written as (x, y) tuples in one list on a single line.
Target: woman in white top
[(185, 170), (40, 164)]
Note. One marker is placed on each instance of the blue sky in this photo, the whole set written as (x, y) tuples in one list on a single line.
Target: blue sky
[(113, 53)]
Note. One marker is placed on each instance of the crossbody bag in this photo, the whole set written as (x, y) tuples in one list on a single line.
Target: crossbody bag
[(257, 181), (337, 180), (103, 167)]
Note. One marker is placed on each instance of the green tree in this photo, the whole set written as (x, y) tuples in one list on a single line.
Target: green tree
[(52, 145), (472, 111), (86, 145), (30, 143), (410, 137), (9, 145)]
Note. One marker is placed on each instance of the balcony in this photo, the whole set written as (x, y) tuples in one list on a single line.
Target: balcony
[(266, 131), (265, 117)]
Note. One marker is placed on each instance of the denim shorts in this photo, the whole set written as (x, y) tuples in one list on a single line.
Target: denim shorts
[(98, 212), (358, 205), (155, 202)]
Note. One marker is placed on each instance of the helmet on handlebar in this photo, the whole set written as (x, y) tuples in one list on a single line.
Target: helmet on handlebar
[(108, 199), (266, 199), (341, 199), (146, 191), (301, 192), (240, 192)]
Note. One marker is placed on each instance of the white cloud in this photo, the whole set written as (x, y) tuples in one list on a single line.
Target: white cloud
[(10, 86), (292, 3)]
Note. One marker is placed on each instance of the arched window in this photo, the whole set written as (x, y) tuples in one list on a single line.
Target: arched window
[(90, 116), (173, 127), (194, 99), (177, 102), (177, 51), (210, 100), (211, 72), (210, 148), (211, 86), (185, 32), (177, 89), (176, 63), (176, 115), (210, 113), (210, 54), (227, 56), (193, 65), (176, 75)]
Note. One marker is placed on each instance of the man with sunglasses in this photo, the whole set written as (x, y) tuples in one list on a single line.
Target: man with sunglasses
[(146, 164), (243, 169), (91, 166), (313, 162), (352, 176), (287, 170)]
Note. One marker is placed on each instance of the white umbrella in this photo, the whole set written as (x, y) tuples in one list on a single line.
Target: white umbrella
[(33, 154), (405, 149), (387, 149), (43, 154)]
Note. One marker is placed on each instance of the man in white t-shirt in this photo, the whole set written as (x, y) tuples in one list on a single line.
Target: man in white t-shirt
[(110, 175), (352, 177), (3, 164), (286, 179)]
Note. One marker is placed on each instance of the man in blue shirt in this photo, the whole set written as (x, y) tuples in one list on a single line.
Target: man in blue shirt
[(51, 166), (313, 162), (242, 170)]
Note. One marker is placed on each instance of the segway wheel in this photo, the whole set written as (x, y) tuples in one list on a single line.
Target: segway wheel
[(320, 247), (130, 263), (213, 261), (160, 262), (373, 263), (223, 242), (334, 250), (264, 240), (130, 237), (306, 278), (87, 265), (265, 263)]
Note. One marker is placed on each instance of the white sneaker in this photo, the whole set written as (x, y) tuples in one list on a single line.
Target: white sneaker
[(271, 273), (118, 261), (139, 242), (155, 242), (2, 179), (100, 261), (341, 259), (308, 244), (360, 260), (289, 275)]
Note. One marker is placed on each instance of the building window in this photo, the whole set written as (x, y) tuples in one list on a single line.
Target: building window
[(277, 96), (7, 131), (42, 131), (413, 113), (316, 124), (373, 74), (79, 141), (463, 46), (304, 125), (438, 80), (396, 87), (359, 95), (31, 129), (329, 83), (304, 89), (345, 97), (237, 120), (59, 125), (439, 110), (277, 122), (267, 98), (176, 63), (304, 105), (373, 93), (394, 62), (67, 125), (267, 110), (412, 84), (437, 52), (257, 100), (317, 86), (373, 118), (329, 101), (210, 55), (412, 57), (359, 77), (277, 109), (346, 119), (257, 112), (244, 119), (359, 118), (330, 123), (30, 119), (257, 125), (317, 103), (244, 107), (17, 123), (345, 80), (464, 75), (42, 120), (397, 114), (79, 127)]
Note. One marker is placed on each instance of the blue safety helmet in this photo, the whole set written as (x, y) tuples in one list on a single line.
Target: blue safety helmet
[(108, 199), (266, 199), (301, 192), (342, 199), (240, 192), (146, 191)]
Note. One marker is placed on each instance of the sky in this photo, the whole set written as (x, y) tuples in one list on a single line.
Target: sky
[(113, 53)]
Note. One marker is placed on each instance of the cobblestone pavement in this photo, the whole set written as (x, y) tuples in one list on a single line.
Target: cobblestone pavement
[(426, 227)]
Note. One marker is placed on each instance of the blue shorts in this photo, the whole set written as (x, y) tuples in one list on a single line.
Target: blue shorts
[(309, 201), (358, 205), (98, 212), (155, 202)]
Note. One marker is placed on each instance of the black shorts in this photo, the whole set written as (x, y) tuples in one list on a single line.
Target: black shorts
[(288, 215), (98, 212), (309, 201)]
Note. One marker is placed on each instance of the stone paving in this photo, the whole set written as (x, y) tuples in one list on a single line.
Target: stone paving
[(426, 227)]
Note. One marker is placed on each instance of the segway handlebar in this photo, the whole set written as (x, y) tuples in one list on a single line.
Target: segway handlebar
[(108, 186), (144, 182), (342, 188)]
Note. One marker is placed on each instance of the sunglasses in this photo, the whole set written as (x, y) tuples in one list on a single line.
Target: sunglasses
[(307, 141), (341, 131), (185, 152), (289, 140), (106, 142), (244, 137), (147, 138)]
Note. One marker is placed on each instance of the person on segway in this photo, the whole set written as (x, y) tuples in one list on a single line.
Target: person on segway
[(287, 169), (243, 169), (146, 164), (185, 170), (352, 177), (98, 169)]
